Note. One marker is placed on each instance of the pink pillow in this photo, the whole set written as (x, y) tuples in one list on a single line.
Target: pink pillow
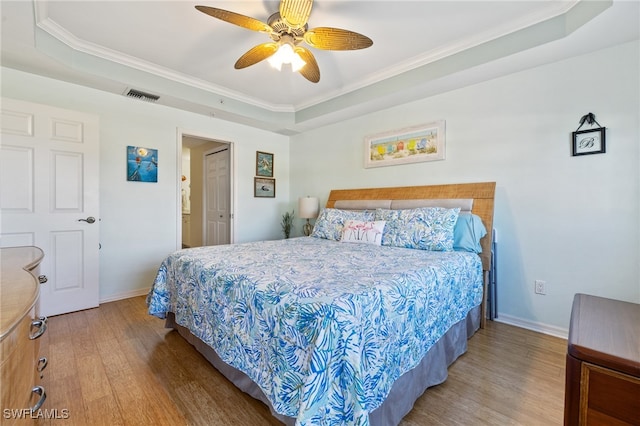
[(358, 231)]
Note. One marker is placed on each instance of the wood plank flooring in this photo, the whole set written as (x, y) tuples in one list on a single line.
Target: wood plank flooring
[(117, 365)]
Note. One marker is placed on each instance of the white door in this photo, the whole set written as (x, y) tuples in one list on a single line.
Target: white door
[(217, 210), (49, 198)]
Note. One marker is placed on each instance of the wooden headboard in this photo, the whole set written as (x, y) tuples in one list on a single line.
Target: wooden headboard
[(482, 194)]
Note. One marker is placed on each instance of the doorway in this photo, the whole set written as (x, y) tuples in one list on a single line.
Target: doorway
[(199, 194)]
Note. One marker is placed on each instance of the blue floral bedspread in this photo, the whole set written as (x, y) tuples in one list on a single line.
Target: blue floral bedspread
[(323, 327)]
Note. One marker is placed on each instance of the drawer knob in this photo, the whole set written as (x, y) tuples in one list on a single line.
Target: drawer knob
[(42, 364), (42, 279), (38, 390), (38, 327)]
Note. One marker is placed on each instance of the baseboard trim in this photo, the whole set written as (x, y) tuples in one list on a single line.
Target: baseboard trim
[(125, 295), (551, 330)]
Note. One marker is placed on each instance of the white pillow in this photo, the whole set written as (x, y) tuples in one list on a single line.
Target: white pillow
[(358, 231)]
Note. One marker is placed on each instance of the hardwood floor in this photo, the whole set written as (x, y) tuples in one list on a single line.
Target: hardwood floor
[(117, 365)]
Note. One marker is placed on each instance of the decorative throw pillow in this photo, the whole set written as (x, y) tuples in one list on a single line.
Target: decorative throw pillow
[(358, 231), (467, 233), (392, 221), (331, 221), (426, 228)]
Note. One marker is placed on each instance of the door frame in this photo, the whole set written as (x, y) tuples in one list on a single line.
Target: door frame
[(178, 179)]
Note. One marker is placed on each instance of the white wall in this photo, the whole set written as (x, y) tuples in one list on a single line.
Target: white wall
[(139, 221), (571, 221)]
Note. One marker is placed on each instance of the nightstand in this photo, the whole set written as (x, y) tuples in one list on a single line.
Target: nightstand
[(603, 363)]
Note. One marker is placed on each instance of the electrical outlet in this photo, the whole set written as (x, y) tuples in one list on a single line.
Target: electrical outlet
[(539, 287)]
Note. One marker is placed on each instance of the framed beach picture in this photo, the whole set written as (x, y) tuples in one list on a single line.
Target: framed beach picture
[(410, 145), (264, 187), (142, 164), (264, 164)]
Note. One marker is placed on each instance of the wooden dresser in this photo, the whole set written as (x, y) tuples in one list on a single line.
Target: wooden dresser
[(603, 363), (20, 328)]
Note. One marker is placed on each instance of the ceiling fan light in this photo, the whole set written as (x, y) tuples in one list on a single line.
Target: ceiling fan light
[(297, 63), (275, 61), (286, 55)]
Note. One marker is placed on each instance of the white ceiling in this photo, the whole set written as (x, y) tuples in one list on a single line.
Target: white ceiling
[(170, 49)]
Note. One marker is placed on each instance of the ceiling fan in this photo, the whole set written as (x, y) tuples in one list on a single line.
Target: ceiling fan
[(288, 29)]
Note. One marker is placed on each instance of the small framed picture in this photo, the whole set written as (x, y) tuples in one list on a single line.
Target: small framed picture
[(590, 141), (264, 164), (142, 164), (264, 187)]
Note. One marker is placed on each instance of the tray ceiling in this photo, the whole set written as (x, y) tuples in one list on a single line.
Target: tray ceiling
[(169, 49)]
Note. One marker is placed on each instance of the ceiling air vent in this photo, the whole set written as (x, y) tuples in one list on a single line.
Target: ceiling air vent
[(137, 94)]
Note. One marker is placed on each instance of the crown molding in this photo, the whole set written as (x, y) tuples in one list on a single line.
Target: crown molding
[(410, 78), (445, 51), (51, 27)]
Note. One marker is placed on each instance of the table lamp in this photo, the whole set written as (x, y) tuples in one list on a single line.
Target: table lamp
[(307, 209)]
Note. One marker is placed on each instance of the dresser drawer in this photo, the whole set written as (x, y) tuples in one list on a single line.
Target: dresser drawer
[(20, 331), (19, 367), (608, 397), (603, 363)]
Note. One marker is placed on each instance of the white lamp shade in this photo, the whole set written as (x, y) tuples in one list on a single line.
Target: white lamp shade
[(307, 207)]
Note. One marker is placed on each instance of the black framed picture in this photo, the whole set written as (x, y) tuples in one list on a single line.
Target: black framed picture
[(264, 164), (590, 141), (264, 187)]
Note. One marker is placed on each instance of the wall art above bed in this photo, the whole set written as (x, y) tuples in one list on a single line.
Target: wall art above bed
[(409, 145)]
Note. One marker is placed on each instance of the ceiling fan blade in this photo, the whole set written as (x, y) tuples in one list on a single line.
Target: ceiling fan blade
[(310, 71), (236, 18), (336, 39), (256, 54), (295, 13)]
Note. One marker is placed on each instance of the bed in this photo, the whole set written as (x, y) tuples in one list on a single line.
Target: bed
[(350, 325)]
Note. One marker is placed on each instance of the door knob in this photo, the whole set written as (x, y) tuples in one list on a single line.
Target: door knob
[(90, 219)]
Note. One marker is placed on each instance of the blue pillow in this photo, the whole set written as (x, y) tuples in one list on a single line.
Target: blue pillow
[(467, 233), (424, 228)]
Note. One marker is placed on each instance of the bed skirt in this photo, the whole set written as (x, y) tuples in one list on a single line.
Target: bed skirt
[(431, 371)]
